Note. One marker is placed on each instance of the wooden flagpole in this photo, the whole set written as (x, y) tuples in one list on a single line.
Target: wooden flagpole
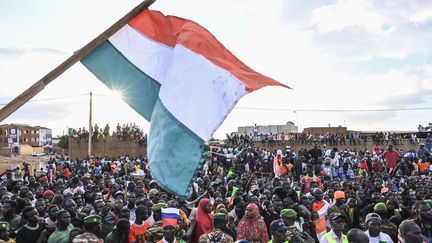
[(33, 90)]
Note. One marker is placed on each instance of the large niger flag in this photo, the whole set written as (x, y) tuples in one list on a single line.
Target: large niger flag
[(179, 77)]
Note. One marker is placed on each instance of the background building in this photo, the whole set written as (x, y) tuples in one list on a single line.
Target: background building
[(289, 127), (20, 134)]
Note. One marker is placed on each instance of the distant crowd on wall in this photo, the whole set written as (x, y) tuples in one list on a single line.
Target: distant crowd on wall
[(333, 139), (131, 132)]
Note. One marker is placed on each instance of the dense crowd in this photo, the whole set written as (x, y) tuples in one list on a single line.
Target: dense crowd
[(131, 132), (243, 193), (333, 139)]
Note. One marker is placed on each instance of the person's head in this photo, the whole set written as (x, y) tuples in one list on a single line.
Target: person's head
[(252, 211), (4, 230), (53, 210), (141, 213), (169, 232), (63, 219), (278, 231), (131, 199), (288, 216), (337, 222), (339, 197), (9, 208), (424, 212), (310, 170), (57, 199), (30, 215), (124, 213), (357, 236), (40, 206), (48, 195), (373, 224), (220, 219), (410, 232), (380, 208), (318, 194), (123, 228), (156, 209), (70, 206), (206, 205), (278, 205), (98, 205), (92, 224)]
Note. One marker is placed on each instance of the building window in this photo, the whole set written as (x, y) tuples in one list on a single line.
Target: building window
[(25, 131), (33, 140), (37, 139), (5, 140), (26, 140)]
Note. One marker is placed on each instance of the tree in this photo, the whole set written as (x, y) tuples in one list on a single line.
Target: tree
[(64, 142)]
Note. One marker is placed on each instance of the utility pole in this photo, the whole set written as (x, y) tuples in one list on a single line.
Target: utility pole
[(90, 128)]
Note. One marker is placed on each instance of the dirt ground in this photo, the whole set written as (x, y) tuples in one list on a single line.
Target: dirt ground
[(13, 162)]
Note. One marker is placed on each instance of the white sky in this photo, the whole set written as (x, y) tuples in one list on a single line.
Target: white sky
[(347, 54)]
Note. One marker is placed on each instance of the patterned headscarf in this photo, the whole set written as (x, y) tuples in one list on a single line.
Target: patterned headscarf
[(252, 228)]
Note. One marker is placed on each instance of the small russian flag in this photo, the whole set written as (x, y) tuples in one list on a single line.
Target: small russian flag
[(170, 216)]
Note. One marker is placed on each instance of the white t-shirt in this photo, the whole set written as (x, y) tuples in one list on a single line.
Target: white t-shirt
[(381, 237)]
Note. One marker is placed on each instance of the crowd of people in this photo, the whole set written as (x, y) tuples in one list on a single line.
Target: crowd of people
[(243, 193), (333, 139), (131, 132)]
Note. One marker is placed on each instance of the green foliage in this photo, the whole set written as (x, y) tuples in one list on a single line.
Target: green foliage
[(64, 142)]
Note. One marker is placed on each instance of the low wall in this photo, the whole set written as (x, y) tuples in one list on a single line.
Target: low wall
[(5, 152), (405, 146), (108, 147)]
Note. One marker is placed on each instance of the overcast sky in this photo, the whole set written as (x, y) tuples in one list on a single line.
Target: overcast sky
[(349, 54)]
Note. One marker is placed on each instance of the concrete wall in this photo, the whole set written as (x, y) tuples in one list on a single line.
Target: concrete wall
[(108, 147)]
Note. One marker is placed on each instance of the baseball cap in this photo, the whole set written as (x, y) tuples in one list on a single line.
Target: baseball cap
[(372, 216), (339, 195), (277, 225), (335, 216)]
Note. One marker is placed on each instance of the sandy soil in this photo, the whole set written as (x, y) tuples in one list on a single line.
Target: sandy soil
[(13, 162)]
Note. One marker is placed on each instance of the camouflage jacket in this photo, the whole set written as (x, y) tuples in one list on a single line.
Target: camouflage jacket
[(216, 236)]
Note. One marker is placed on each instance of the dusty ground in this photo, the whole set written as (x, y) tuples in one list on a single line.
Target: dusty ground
[(13, 162)]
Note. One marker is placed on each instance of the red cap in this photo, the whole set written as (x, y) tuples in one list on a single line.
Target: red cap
[(48, 193), (43, 178)]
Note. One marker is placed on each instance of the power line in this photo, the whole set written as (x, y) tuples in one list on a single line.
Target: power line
[(267, 109), (51, 98), (336, 110)]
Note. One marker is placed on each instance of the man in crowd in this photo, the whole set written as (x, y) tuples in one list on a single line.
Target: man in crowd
[(373, 224), (278, 232), (92, 229), (63, 229), (338, 223), (31, 231), (120, 234)]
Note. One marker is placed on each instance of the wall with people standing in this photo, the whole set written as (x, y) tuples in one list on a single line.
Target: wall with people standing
[(272, 146)]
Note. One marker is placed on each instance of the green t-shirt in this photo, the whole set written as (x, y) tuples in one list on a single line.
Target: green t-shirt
[(60, 236)]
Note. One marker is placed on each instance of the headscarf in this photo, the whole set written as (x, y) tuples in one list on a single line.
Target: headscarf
[(219, 207), (203, 219), (252, 229)]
